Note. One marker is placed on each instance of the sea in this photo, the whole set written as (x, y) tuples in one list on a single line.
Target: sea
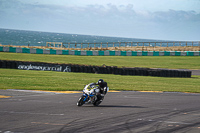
[(38, 38)]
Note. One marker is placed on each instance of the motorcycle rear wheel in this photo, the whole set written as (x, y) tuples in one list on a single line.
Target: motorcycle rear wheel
[(80, 101), (97, 102)]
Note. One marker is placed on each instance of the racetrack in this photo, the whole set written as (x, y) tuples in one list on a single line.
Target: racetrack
[(128, 112)]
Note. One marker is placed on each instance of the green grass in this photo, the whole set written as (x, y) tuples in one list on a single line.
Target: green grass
[(60, 81), (173, 62), (47, 80)]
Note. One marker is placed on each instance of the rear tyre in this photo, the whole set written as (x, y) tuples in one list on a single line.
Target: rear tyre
[(80, 101), (98, 101)]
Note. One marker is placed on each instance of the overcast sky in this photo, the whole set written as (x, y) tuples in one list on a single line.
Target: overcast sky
[(147, 19)]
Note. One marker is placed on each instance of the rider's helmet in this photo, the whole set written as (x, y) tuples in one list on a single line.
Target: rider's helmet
[(100, 82)]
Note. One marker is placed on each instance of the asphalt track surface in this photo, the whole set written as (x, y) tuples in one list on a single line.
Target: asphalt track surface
[(195, 72), (120, 112)]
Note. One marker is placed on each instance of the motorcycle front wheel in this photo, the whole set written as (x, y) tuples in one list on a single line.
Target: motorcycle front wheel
[(80, 101)]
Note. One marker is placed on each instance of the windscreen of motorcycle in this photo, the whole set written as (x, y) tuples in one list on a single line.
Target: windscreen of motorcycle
[(88, 88)]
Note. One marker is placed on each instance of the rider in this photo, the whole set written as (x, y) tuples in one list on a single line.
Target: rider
[(103, 88)]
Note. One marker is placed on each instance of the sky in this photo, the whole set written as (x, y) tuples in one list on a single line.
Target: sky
[(177, 20)]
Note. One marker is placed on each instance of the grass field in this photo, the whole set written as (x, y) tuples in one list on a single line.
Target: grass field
[(59, 81), (47, 80), (173, 62)]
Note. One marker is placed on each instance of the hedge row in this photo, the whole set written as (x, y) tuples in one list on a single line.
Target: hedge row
[(94, 69)]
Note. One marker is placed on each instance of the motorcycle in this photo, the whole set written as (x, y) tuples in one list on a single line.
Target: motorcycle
[(91, 94)]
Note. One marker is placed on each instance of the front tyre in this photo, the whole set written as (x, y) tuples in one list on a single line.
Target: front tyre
[(80, 101)]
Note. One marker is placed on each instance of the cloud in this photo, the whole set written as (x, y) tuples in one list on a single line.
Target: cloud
[(173, 15), (110, 11), (108, 19)]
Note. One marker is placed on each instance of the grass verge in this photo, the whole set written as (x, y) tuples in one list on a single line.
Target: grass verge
[(172, 62), (60, 81)]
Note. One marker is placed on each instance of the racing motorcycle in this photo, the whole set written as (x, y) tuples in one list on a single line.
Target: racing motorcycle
[(91, 94)]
